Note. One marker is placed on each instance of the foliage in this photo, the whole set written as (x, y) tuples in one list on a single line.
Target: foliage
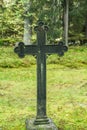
[(77, 16), (51, 12)]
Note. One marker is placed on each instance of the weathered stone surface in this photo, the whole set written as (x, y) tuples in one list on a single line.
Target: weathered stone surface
[(31, 126)]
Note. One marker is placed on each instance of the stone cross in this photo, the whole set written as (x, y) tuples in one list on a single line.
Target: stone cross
[(40, 50)]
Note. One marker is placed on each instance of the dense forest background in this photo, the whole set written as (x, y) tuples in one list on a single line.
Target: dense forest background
[(20, 15), (66, 76)]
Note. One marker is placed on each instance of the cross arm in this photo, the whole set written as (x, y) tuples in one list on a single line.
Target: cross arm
[(22, 49), (52, 49)]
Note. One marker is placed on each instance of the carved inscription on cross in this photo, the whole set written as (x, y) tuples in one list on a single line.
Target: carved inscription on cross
[(40, 50)]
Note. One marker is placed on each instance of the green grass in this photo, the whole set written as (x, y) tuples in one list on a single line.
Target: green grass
[(76, 57), (66, 89)]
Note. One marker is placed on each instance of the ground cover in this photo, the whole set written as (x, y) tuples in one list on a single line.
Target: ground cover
[(66, 89)]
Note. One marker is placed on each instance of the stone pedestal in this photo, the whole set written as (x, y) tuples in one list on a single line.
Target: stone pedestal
[(31, 126)]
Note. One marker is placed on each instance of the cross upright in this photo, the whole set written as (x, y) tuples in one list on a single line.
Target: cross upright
[(40, 50)]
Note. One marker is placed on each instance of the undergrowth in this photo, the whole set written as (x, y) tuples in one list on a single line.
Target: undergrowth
[(76, 57), (66, 89)]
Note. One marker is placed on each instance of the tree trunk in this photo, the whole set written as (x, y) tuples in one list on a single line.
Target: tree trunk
[(66, 11), (27, 31), (27, 24)]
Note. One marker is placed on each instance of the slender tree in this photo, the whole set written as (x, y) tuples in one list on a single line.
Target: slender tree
[(27, 22), (66, 12)]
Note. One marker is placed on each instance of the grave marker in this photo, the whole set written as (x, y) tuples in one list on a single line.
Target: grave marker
[(41, 122)]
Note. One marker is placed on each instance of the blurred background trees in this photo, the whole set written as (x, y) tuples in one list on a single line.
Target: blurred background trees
[(18, 17)]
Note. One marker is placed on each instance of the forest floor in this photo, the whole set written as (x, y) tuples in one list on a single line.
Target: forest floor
[(66, 89)]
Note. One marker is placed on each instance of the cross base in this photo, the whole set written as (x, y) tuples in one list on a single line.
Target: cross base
[(40, 121), (30, 125)]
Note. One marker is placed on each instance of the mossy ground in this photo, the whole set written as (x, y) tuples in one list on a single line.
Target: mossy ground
[(66, 89)]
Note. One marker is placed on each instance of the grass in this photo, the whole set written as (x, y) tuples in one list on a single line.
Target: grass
[(66, 89)]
